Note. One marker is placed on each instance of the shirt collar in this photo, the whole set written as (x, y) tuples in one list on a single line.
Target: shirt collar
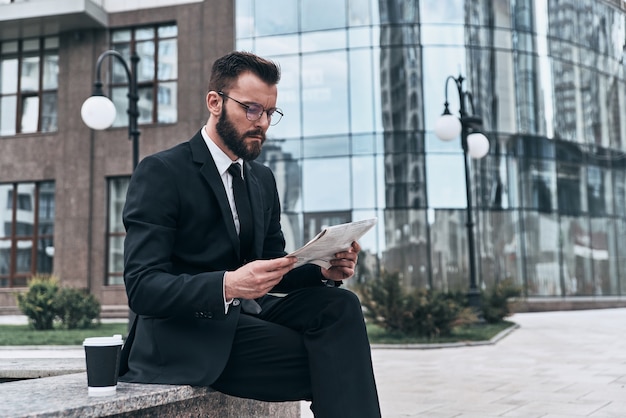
[(222, 161)]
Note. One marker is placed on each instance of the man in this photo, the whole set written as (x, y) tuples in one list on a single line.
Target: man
[(218, 304)]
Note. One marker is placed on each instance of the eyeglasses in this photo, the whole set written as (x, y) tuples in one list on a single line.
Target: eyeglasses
[(254, 111)]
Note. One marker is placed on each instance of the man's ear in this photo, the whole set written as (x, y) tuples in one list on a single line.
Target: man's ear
[(214, 103)]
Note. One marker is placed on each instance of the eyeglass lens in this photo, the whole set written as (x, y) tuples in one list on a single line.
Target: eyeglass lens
[(255, 111)]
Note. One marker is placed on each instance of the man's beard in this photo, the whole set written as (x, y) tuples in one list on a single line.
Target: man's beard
[(236, 142)]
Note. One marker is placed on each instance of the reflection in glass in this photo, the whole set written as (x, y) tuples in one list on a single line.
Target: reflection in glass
[(8, 107), (6, 210), (120, 100), (325, 94), (29, 79), (116, 232), (8, 76), (30, 114), (577, 278), (146, 104), (145, 69), (407, 247), (268, 22), (49, 112), (50, 71), (168, 60), (322, 14), (167, 103), (361, 99), (119, 73), (322, 178), (364, 182), (445, 177), (541, 258)]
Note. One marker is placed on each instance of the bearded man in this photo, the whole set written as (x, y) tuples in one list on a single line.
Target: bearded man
[(217, 301)]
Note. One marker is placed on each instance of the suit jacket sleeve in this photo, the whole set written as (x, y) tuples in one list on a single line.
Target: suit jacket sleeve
[(159, 282)]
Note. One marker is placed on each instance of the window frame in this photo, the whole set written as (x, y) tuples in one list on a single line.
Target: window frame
[(21, 95), (14, 278)]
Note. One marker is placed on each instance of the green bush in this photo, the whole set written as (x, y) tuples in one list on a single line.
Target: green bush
[(75, 308), (38, 302), (434, 313), (45, 301), (421, 313), (495, 301)]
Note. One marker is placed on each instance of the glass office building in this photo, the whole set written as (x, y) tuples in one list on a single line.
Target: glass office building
[(363, 84)]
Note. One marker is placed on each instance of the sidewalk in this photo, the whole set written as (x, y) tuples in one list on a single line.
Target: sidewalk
[(556, 365)]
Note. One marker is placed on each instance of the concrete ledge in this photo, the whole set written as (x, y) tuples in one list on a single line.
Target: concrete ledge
[(66, 396)]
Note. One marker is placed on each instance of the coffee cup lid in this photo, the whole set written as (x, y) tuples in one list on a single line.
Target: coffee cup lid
[(103, 341)]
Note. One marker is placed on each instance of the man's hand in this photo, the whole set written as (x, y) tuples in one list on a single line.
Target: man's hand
[(343, 264), (255, 279)]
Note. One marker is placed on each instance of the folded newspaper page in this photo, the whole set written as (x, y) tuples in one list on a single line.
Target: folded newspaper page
[(331, 240)]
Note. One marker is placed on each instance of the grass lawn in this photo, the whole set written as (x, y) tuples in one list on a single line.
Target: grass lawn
[(481, 332), (24, 335)]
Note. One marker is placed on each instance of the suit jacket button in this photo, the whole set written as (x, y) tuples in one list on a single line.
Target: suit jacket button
[(235, 302), (209, 315)]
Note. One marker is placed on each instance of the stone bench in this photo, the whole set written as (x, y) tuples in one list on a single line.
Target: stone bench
[(66, 395)]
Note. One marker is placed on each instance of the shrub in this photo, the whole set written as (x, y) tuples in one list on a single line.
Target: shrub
[(423, 313), (434, 313), (495, 301), (38, 302), (76, 308)]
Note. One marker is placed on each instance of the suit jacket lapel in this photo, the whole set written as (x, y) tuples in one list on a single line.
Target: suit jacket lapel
[(201, 155)]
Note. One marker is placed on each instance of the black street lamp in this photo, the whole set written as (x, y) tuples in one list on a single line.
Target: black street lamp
[(98, 111), (475, 145)]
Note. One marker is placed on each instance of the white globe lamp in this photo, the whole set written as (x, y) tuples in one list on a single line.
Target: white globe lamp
[(98, 112), (447, 127), (477, 145)]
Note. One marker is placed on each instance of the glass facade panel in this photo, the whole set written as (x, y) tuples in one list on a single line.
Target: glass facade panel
[(362, 88), (317, 15), (319, 176), (325, 94), (363, 183)]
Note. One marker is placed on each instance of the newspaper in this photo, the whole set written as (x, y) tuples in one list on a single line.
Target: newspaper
[(331, 240)]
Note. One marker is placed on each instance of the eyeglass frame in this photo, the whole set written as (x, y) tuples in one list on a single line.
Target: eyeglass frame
[(263, 110)]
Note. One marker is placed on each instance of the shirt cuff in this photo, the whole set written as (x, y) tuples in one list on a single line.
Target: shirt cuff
[(226, 302)]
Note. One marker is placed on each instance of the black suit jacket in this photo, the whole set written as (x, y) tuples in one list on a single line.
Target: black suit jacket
[(180, 240)]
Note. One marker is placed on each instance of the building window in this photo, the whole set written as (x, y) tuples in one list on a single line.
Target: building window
[(26, 232), (115, 230), (157, 73), (29, 71)]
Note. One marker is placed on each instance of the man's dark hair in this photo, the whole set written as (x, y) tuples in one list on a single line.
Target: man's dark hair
[(228, 68)]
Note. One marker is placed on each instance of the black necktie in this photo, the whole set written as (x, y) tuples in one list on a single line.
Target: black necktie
[(246, 227), (244, 212)]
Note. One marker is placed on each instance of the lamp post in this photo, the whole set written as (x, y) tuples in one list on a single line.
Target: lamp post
[(98, 111), (475, 145)]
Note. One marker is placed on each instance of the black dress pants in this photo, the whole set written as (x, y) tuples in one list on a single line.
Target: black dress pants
[(309, 345)]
